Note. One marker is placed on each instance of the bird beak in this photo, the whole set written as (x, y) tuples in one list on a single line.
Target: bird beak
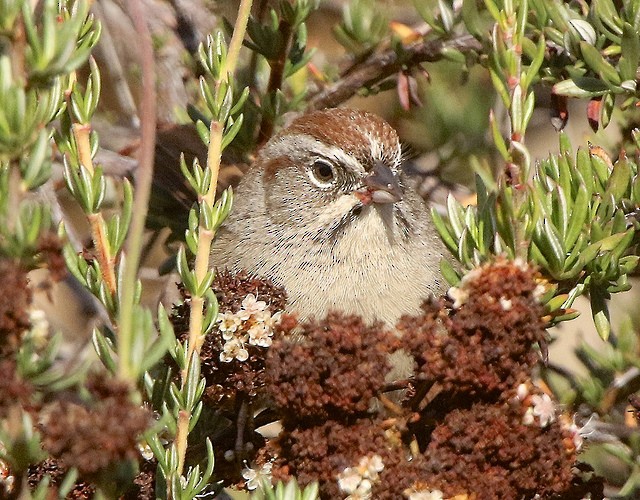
[(381, 186)]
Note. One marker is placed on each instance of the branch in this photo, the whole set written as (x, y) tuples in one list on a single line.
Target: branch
[(382, 65), (276, 78), (144, 175)]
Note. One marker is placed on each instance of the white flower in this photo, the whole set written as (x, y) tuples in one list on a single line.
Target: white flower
[(375, 465), (528, 418), (228, 335), (234, 349), (520, 263), (229, 322), (539, 291), (254, 478), (358, 481), (145, 451), (544, 408), (415, 494), (349, 479), (251, 306), (588, 430), (576, 437), (363, 492), (522, 392), (260, 335), (265, 317), (6, 479), (506, 304), (458, 295)]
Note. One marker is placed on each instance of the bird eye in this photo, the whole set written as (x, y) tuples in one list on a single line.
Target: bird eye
[(322, 173)]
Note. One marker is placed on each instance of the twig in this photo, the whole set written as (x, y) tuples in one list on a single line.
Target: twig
[(82, 136), (240, 28), (144, 175), (392, 406), (259, 14), (241, 427), (276, 78), (380, 66)]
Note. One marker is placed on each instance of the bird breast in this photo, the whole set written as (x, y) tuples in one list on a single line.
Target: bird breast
[(368, 267)]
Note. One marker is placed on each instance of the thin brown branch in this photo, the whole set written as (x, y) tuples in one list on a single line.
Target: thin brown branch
[(276, 79), (381, 65), (259, 15)]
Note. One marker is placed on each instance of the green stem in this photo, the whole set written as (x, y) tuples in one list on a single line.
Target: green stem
[(509, 35), (196, 338), (82, 135), (144, 175), (235, 45), (205, 236)]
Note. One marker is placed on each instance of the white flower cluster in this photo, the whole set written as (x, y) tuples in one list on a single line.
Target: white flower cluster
[(358, 481), (460, 294), (542, 407), (423, 494), (253, 324)]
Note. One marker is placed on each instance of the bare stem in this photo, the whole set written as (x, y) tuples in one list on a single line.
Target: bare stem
[(144, 175), (82, 135), (214, 155), (181, 439), (103, 249), (240, 28)]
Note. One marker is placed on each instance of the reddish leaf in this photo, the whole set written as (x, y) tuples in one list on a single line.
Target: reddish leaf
[(593, 113), (408, 90), (403, 91), (559, 111)]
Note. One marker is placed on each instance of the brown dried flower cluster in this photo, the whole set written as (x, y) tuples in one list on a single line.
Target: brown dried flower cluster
[(321, 452), (56, 472), (488, 449), (476, 428), (484, 348), (14, 306), (143, 487), (323, 380), (14, 392), (97, 436), (231, 289), (334, 370), (144, 484)]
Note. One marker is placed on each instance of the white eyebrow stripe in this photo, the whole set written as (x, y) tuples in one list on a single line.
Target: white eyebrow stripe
[(394, 160), (307, 146)]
